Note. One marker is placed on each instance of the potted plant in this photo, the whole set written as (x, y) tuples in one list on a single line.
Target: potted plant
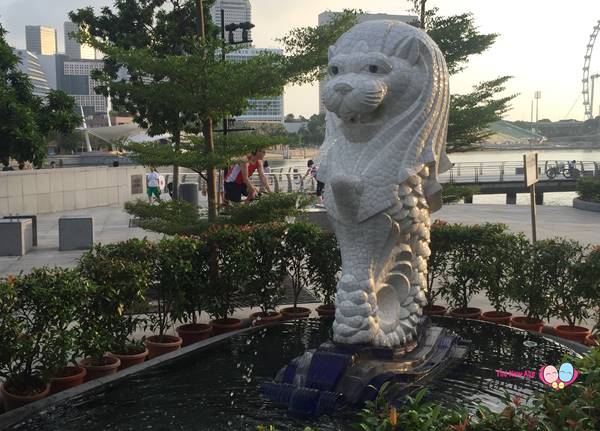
[(299, 241), (124, 269), (267, 270), (324, 266), (462, 278), (36, 315), (225, 273), (437, 262), (499, 252), (185, 272), (575, 290), (530, 287)]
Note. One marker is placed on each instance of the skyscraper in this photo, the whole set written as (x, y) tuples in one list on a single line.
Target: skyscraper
[(74, 49), (41, 40), (236, 11), (30, 65)]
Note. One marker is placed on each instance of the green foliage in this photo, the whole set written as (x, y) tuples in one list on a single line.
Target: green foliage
[(498, 253), (325, 265), (452, 192), (576, 407), (470, 114), (121, 273), (572, 284), (588, 189), (534, 273), (27, 119), (170, 217), (227, 268), (125, 268), (314, 131), (437, 262), (37, 311), (463, 274), (300, 239), (267, 266), (271, 207)]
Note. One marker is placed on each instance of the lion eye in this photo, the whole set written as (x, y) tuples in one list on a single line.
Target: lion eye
[(334, 70), (373, 68)]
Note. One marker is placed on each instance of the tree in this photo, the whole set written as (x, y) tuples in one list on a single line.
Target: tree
[(314, 131), (26, 119), (178, 83), (470, 114)]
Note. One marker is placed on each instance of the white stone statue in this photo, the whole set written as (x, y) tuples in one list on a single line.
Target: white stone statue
[(387, 101)]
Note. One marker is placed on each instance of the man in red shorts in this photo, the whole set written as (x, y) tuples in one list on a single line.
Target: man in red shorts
[(237, 180)]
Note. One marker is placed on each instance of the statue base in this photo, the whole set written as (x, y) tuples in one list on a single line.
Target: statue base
[(324, 380)]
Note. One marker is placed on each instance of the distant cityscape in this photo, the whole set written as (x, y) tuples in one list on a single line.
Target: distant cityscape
[(70, 71)]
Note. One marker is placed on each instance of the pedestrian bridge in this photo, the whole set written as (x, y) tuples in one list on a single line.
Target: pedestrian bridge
[(502, 177)]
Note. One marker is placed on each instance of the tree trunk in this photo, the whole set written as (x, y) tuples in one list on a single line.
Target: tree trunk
[(211, 173), (177, 138), (423, 13)]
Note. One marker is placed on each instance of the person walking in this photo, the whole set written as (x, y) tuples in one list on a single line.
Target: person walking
[(237, 180), (312, 171), (152, 182)]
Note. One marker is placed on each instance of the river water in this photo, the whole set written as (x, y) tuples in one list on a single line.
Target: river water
[(561, 155)]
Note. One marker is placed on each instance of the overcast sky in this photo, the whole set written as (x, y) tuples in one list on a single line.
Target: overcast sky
[(542, 42)]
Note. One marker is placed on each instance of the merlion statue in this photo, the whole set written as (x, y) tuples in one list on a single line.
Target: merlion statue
[(387, 100)]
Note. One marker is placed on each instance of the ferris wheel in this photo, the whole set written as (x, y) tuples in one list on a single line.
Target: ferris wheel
[(588, 94)]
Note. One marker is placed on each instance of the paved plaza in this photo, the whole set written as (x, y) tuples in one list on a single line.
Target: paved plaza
[(111, 224)]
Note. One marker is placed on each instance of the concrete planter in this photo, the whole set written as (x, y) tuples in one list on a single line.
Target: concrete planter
[(585, 205)]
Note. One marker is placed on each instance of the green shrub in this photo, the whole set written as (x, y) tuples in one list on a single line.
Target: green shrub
[(588, 189), (271, 207), (452, 192), (463, 274), (37, 311), (324, 266), (174, 217), (299, 243), (440, 246), (226, 269), (499, 253), (123, 271), (267, 264)]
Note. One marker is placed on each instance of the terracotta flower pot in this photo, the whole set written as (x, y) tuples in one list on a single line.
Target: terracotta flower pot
[(466, 313), (500, 317), (131, 358), (221, 326), (291, 313), (573, 333), (326, 310), (194, 332), (12, 401), (159, 345), (591, 341), (527, 323), (109, 366), (434, 310), (67, 378), (261, 318)]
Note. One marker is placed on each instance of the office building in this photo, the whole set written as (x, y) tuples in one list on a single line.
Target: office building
[(78, 84), (236, 11), (30, 65), (74, 49), (41, 40), (265, 110), (326, 17)]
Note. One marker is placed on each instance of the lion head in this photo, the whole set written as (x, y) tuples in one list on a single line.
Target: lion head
[(387, 99)]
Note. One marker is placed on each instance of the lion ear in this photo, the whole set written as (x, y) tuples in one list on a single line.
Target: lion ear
[(409, 50)]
